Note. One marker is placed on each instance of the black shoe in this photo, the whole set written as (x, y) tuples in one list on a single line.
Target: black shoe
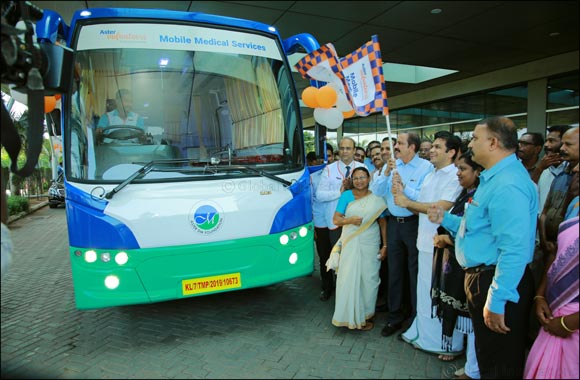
[(390, 329), (324, 295)]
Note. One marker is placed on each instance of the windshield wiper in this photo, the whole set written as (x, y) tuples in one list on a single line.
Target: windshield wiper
[(253, 170), (141, 173)]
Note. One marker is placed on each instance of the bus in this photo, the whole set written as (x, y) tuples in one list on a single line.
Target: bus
[(184, 157)]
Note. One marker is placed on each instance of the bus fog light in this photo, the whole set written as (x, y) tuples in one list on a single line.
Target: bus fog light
[(112, 282), (105, 257), (90, 256), (293, 235), (303, 231), (284, 239), (293, 258), (121, 258)]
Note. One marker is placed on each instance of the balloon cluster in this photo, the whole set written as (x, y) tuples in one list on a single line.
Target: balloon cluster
[(330, 105), (50, 103)]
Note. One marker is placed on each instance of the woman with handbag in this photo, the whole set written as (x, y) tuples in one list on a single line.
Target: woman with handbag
[(358, 279)]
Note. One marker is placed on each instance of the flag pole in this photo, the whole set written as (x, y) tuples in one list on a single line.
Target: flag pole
[(390, 136), (325, 151)]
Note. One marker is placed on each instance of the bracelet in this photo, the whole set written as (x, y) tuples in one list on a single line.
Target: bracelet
[(539, 297), (564, 325)]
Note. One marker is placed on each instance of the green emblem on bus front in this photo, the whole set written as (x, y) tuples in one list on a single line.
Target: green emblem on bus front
[(206, 219)]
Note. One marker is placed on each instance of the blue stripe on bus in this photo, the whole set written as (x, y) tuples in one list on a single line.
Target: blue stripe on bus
[(298, 211), (89, 227)]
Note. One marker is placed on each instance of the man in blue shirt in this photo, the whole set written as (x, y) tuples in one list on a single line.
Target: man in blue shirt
[(408, 172), (494, 243), (368, 161)]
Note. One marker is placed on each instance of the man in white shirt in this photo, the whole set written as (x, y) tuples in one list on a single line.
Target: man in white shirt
[(440, 186), (334, 179)]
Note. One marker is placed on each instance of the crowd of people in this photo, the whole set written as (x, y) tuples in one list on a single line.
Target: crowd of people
[(471, 247)]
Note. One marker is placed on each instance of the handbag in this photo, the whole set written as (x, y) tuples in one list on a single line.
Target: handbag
[(334, 258)]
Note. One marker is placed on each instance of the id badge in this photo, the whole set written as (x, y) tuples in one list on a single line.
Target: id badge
[(461, 231)]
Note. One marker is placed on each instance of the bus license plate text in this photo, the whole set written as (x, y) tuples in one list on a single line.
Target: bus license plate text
[(211, 284)]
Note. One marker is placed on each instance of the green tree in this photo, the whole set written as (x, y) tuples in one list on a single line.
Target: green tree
[(309, 142), (37, 179)]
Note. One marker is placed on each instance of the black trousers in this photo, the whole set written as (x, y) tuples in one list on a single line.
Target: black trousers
[(323, 248), (403, 264), (500, 356)]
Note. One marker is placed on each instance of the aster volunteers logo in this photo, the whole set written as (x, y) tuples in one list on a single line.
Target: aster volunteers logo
[(206, 217)]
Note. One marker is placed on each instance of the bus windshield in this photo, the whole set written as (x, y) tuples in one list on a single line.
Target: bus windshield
[(202, 103)]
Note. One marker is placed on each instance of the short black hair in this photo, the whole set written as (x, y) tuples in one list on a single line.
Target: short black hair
[(451, 141), (561, 129), (361, 168), (504, 129), (413, 139), (537, 138)]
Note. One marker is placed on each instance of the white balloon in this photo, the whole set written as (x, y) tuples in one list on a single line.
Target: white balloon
[(320, 115), (334, 118)]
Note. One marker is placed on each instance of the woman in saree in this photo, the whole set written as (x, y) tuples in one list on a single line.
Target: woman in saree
[(554, 354), (357, 282), (448, 297)]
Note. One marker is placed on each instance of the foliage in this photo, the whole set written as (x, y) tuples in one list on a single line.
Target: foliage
[(17, 205), (21, 125), (309, 141)]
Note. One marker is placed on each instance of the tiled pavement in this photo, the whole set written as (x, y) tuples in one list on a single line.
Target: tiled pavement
[(282, 331)]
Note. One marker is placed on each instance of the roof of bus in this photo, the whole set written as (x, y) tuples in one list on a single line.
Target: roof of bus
[(163, 14)]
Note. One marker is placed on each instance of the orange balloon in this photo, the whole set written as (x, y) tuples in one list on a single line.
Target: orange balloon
[(49, 103), (57, 96), (309, 97), (348, 114), (326, 97)]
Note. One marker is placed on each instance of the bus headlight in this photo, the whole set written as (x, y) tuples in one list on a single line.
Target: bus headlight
[(121, 258), (111, 282), (293, 258), (303, 231), (284, 239), (90, 256)]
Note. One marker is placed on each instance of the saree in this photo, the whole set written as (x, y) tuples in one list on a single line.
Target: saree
[(552, 357), (449, 302), (357, 281)]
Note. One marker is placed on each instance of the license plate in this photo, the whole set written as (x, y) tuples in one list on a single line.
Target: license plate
[(211, 284)]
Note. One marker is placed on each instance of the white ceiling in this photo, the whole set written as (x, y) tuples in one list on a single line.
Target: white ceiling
[(473, 37)]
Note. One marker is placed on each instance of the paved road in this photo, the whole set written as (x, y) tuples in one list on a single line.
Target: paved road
[(282, 331)]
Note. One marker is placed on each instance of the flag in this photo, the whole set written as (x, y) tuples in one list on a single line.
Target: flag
[(358, 77), (362, 74), (322, 65)]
